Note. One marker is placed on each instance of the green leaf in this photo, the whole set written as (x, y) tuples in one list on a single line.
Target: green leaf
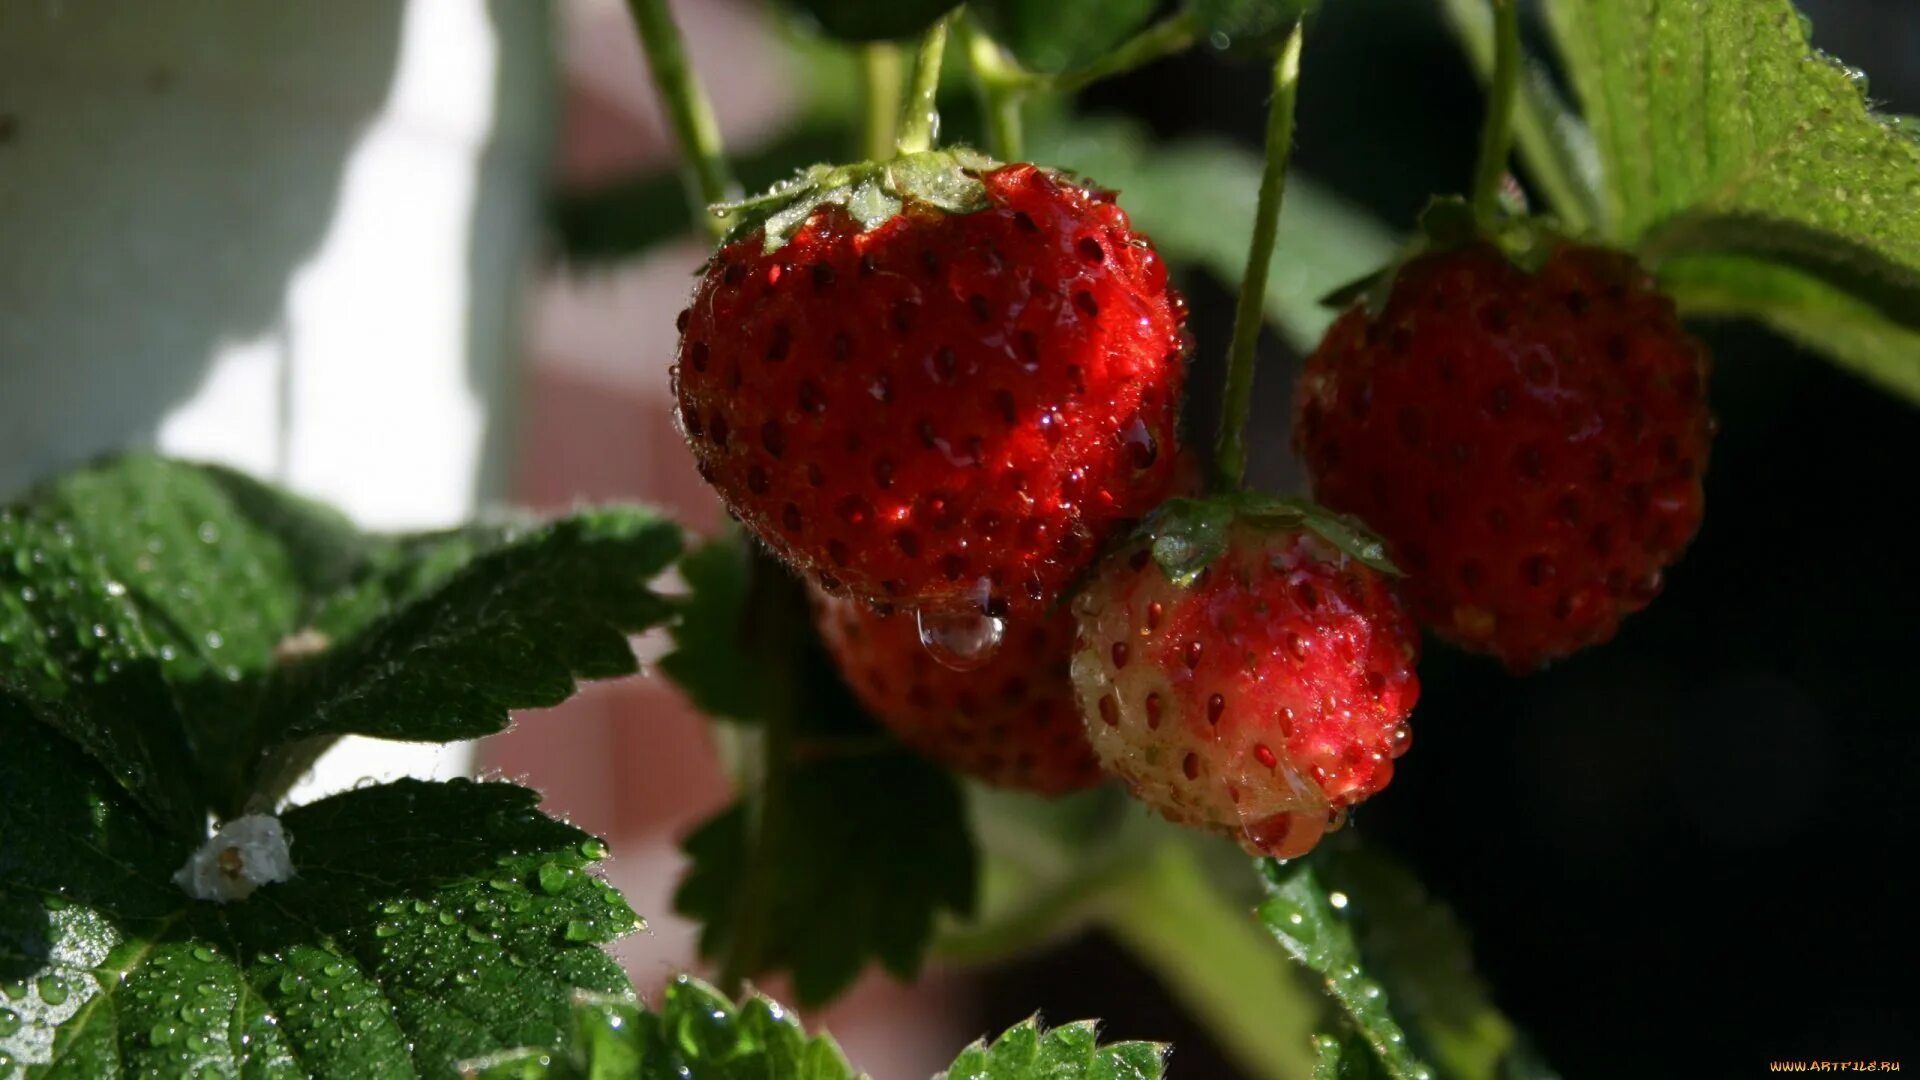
[(1344, 1057), (181, 622), (1303, 917), (1028, 1051), (1802, 307), (137, 594), (486, 622), (1196, 197), (696, 1032), (1721, 131), (874, 20), (1248, 27), (426, 923), (710, 636), (1053, 36), (873, 848), (1422, 957)]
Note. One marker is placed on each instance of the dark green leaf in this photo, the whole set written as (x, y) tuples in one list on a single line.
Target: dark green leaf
[(1248, 27), (1723, 132), (484, 623), (873, 848), (874, 20), (426, 923), (137, 595), (710, 636), (1053, 36), (1422, 957), (1028, 1051), (1196, 197), (1307, 922)]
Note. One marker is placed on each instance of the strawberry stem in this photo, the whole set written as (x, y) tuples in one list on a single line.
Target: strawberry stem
[(1496, 133), (920, 121), (1230, 453), (880, 90), (997, 82), (688, 111)]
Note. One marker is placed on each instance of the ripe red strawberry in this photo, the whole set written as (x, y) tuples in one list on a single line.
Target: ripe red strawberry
[(1530, 444), (935, 409), (1266, 694), (1010, 722)]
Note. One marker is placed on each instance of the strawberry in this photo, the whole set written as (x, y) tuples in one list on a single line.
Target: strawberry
[(1011, 721), (935, 383), (1244, 667), (1529, 443)]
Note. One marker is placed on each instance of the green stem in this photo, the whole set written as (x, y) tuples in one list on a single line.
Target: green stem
[(1230, 453), (1215, 959), (772, 621), (880, 91), (920, 120), (688, 112), (1000, 97), (1496, 133)]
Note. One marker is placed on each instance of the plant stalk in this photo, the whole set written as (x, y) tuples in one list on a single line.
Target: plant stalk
[(1230, 453), (880, 92), (998, 84), (690, 115), (1496, 132), (920, 120)]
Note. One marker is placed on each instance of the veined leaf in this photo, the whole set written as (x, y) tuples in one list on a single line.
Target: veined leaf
[(1723, 132), (1061, 35), (426, 923)]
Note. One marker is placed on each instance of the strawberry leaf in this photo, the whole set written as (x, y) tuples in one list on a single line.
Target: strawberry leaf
[(1345, 1057), (874, 20), (1028, 1050), (1061, 35), (1307, 921), (425, 923), (201, 634), (1722, 132), (1248, 27), (874, 847)]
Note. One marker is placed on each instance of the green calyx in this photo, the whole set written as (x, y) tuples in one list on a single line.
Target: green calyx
[(871, 192), (1448, 224), (1187, 535)]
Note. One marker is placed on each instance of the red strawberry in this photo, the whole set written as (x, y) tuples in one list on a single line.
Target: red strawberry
[(1010, 722), (941, 410), (1530, 444), (1267, 693)]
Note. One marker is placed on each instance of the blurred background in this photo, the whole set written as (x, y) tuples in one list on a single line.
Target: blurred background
[(422, 257)]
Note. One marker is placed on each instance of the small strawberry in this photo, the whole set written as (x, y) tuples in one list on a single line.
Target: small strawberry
[(1529, 442), (1244, 667), (1010, 721), (937, 383)]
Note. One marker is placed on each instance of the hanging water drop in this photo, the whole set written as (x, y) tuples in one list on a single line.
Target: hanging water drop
[(962, 640)]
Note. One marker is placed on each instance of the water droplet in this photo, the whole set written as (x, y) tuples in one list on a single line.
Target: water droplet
[(333, 969), (214, 640), (593, 849), (500, 885), (962, 640), (14, 990), (55, 903), (52, 989), (162, 1033), (579, 930), (385, 929), (555, 877), (9, 1022), (202, 954)]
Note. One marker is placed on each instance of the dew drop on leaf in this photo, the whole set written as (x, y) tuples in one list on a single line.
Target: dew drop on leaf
[(579, 930), (555, 877), (52, 989)]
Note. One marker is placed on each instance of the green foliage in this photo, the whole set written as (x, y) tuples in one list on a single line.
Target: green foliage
[(1345, 1057), (426, 923), (873, 847), (1196, 198), (1248, 27), (1306, 919), (1722, 132), (195, 631), (1054, 36), (697, 1034), (1187, 535), (874, 20), (1028, 1050), (872, 193)]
